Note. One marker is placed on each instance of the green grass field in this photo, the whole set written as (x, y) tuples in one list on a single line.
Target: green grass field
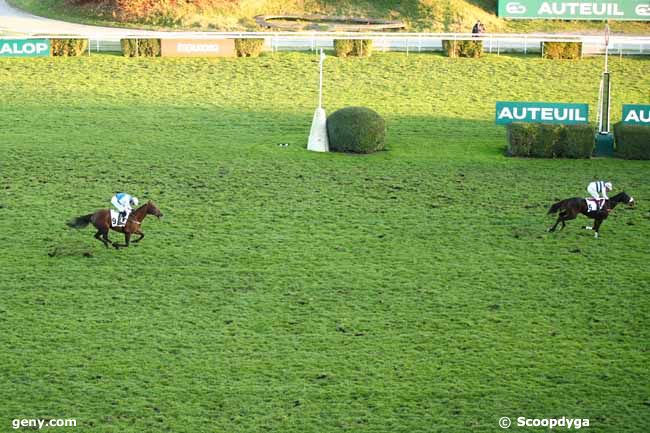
[(414, 290)]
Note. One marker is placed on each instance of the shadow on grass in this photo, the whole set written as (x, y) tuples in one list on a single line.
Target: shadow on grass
[(173, 129)]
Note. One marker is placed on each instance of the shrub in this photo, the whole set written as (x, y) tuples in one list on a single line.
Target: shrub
[(353, 47), (632, 141), (539, 140), (140, 47), (156, 12), (249, 47), (562, 50), (577, 141), (69, 47), (521, 138), (342, 47), (455, 48), (357, 130), (545, 144)]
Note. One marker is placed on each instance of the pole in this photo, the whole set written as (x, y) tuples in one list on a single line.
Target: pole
[(604, 138), (318, 141), (606, 48), (320, 85)]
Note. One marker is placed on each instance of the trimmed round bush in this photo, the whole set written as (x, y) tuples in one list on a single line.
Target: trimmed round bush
[(353, 47), (249, 47), (356, 130), (69, 47)]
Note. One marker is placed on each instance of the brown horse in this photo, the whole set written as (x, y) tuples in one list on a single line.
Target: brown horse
[(102, 222), (571, 207)]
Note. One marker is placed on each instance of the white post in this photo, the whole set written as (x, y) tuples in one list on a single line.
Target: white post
[(606, 48), (320, 84), (609, 104), (600, 105), (318, 141)]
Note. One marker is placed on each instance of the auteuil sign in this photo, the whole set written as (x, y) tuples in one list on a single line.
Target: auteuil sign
[(541, 112), (636, 114), (638, 10), (24, 47)]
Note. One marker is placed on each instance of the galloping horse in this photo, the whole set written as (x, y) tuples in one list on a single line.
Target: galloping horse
[(571, 207), (102, 222)]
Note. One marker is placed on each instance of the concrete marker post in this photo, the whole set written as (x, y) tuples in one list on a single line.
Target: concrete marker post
[(318, 141)]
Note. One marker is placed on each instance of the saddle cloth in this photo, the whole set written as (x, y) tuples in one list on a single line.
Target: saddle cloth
[(594, 205), (117, 220)]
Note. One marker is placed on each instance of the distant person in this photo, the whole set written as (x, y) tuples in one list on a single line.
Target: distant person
[(478, 28)]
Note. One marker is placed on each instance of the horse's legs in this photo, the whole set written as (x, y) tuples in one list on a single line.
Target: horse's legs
[(554, 226), (105, 240), (139, 232), (127, 239), (597, 227), (563, 215), (568, 216)]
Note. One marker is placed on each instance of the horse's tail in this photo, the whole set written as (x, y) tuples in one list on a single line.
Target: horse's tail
[(80, 222), (557, 206)]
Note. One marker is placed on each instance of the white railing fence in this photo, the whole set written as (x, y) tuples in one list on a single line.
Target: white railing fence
[(495, 43)]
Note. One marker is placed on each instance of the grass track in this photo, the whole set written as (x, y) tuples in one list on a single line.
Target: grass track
[(298, 292)]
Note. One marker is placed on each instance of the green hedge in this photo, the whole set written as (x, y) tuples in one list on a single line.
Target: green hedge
[(353, 47), (69, 47), (462, 48), (577, 141), (538, 140), (140, 47), (249, 47), (562, 50), (357, 130), (632, 141)]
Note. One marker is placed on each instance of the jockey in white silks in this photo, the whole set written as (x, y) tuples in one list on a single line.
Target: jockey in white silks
[(123, 202), (598, 190)]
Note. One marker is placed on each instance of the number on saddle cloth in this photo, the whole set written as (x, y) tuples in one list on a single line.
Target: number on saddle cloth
[(595, 204), (118, 219)]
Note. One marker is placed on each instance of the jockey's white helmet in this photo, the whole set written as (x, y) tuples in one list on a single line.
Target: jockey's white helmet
[(134, 201), (608, 185)]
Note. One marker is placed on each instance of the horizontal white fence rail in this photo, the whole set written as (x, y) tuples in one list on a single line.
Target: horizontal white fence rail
[(408, 42)]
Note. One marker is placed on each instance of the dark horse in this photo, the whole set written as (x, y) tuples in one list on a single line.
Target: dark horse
[(571, 207), (102, 222)]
